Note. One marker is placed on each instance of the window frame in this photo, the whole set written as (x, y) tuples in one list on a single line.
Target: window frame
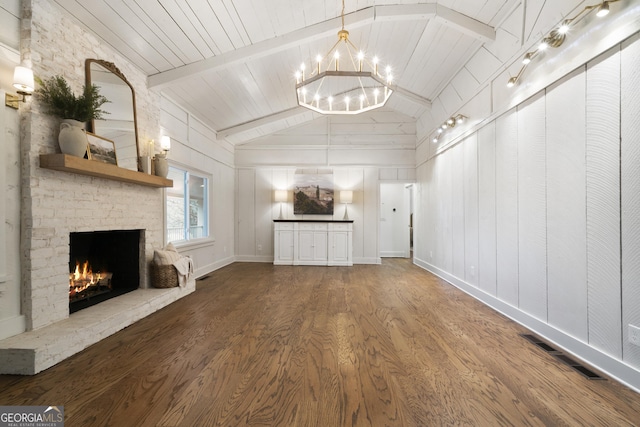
[(199, 241)]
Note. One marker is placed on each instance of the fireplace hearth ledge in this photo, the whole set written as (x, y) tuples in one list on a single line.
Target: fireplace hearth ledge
[(34, 351)]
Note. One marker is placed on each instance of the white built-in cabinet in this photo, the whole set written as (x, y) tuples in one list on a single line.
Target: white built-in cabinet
[(313, 242)]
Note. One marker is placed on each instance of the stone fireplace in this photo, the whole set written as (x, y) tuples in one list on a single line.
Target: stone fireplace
[(62, 209), (56, 204)]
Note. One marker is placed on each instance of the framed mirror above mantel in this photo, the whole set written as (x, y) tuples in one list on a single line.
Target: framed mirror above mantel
[(120, 124)]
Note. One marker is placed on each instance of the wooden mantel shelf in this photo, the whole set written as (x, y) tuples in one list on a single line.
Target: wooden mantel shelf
[(66, 163)]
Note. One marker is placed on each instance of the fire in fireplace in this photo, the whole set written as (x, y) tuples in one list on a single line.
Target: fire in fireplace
[(84, 283), (103, 265)]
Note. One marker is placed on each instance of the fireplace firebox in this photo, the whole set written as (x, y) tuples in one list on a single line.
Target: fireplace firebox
[(103, 265)]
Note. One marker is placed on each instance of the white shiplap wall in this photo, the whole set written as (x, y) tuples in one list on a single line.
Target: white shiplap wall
[(195, 147), (564, 198)]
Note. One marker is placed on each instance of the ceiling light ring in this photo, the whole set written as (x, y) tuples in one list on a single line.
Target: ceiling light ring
[(353, 85)]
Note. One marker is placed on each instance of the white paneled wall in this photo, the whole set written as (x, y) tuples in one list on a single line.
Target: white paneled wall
[(361, 151), (630, 193), (471, 218), (550, 206), (195, 147), (532, 218), (456, 169), (507, 208), (603, 202), (487, 250), (566, 201), (257, 209)]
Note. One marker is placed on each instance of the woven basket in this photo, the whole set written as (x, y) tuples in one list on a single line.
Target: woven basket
[(164, 276)]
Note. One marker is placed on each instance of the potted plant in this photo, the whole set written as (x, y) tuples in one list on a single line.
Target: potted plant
[(60, 101)]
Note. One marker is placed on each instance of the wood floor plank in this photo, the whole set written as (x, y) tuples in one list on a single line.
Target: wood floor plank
[(368, 345)]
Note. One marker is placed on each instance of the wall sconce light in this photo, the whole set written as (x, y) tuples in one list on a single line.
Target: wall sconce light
[(23, 81), (281, 196), (557, 35), (346, 197), (451, 122), (165, 144)]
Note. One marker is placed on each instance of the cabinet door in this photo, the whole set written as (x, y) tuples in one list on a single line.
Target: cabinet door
[(320, 246), (284, 247), (312, 247), (305, 245), (340, 246)]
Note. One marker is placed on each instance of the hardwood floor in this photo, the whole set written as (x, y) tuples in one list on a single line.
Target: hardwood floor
[(265, 345)]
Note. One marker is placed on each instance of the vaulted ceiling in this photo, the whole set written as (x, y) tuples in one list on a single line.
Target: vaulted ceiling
[(231, 63)]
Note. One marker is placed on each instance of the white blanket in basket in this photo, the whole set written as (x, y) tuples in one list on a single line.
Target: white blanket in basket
[(184, 266)]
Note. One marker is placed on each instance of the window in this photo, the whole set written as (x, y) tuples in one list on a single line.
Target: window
[(187, 206)]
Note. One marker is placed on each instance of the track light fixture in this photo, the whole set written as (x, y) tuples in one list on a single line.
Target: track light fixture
[(557, 36), (451, 122)]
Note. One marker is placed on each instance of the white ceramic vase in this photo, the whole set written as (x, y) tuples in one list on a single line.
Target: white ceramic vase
[(72, 138), (161, 166)]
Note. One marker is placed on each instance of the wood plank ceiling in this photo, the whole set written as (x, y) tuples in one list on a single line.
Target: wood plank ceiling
[(231, 63)]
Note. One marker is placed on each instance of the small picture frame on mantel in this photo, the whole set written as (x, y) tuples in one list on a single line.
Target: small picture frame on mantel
[(101, 149)]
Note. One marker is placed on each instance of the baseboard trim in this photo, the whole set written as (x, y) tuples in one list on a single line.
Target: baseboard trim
[(610, 366), (253, 258), (12, 326), (373, 261)]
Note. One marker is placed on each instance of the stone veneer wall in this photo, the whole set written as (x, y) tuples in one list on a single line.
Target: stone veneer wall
[(56, 203)]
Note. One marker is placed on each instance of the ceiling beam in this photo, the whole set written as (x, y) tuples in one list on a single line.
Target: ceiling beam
[(465, 24), (262, 121), (324, 29), (295, 111), (412, 96)]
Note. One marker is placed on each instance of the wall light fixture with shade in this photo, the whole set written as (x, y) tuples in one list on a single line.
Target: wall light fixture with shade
[(280, 196), (23, 81), (346, 197), (165, 144)]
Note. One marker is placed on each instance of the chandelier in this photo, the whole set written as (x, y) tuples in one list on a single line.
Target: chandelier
[(350, 90)]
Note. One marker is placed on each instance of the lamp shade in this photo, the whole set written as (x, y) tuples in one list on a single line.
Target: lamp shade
[(346, 196), (281, 195), (23, 79), (165, 143)]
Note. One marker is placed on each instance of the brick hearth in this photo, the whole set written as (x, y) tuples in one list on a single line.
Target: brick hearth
[(35, 351)]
